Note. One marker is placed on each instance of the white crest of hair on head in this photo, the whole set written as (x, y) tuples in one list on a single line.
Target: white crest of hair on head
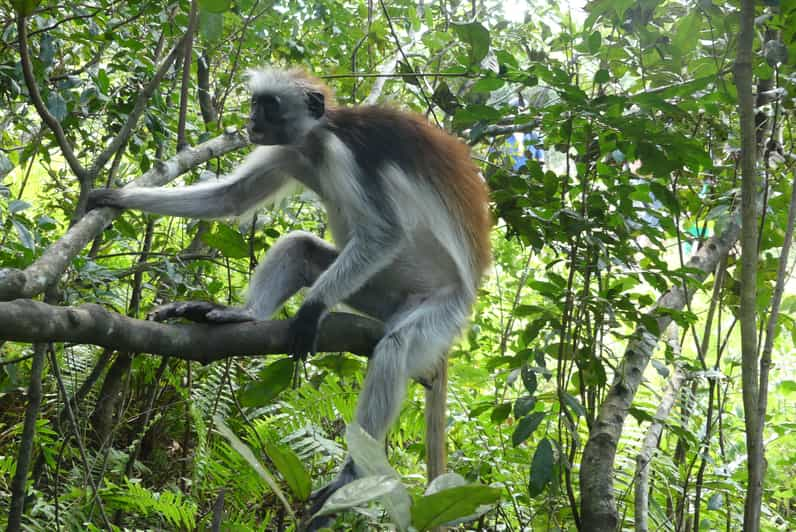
[(271, 80)]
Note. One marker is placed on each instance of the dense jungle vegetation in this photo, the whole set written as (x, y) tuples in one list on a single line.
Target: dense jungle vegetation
[(630, 363)]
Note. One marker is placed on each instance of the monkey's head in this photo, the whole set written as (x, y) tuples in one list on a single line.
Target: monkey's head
[(285, 105)]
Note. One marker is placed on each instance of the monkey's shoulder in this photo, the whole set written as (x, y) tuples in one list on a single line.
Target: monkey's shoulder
[(380, 134)]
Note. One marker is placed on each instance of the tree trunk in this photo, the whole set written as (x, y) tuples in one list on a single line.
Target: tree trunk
[(598, 505)]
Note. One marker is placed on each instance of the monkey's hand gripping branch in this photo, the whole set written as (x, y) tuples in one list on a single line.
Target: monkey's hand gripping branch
[(304, 327)]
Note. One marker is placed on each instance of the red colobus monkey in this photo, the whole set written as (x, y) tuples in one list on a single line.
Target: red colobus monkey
[(407, 209)]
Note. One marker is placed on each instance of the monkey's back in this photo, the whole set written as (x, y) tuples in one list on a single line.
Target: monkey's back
[(379, 135)]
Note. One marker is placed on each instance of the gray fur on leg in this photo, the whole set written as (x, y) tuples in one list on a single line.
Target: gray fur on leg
[(200, 312)]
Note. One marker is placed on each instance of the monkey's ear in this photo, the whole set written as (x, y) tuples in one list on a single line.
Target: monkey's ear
[(315, 104)]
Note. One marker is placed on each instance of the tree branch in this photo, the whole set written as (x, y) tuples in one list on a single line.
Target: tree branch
[(25, 320), (498, 130), (38, 103), (139, 107), (54, 261)]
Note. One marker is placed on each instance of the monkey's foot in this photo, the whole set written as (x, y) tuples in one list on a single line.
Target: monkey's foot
[(200, 312), (319, 498)]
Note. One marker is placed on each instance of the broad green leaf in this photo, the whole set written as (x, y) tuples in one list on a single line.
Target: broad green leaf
[(275, 378), (228, 241), (15, 206), (686, 32), (541, 468), (787, 387), (248, 455), (25, 236), (602, 76), (573, 404), (25, 7), (594, 41), (214, 6), (57, 106), (211, 25), (445, 99), (665, 195), (359, 492), (523, 405), (445, 481), (529, 379), (46, 50), (716, 501), (5, 165), (451, 504), (370, 458), (467, 116), (500, 413), (476, 36), (526, 427), (291, 469)]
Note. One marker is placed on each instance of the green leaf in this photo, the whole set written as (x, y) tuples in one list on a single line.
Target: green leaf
[(595, 39), (686, 32), (602, 76), (25, 236), (666, 196), (15, 206), (211, 25), (541, 468), (787, 387), (291, 469), (275, 378), (500, 413), (716, 501), (467, 116), (57, 106), (214, 6), (451, 504), (359, 492), (526, 427), (476, 36), (523, 405), (5, 165), (125, 228), (573, 404), (371, 460), (228, 241), (529, 379), (25, 7), (103, 81), (445, 99)]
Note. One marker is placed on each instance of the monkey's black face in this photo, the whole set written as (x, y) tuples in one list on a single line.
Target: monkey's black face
[(267, 124)]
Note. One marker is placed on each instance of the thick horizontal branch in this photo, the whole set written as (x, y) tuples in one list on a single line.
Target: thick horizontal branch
[(25, 320), (54, 261)]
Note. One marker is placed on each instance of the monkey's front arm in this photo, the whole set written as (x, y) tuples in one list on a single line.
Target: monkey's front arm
[(266, 170)]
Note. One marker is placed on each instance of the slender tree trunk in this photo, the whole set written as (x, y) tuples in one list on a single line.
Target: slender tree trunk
[(18, 483), (650, 443), (749, 256), (436, 402)]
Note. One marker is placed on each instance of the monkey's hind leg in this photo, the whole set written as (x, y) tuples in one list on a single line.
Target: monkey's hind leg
[(200, 312), (414, 347), (295, 261)]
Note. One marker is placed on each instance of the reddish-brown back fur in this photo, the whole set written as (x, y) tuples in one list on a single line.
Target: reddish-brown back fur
[(377, 134)]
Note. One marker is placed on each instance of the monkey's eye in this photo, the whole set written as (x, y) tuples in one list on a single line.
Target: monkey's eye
[(269, 106)]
